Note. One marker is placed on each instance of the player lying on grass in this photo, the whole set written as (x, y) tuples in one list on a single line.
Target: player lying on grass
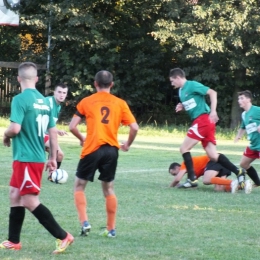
[(212, 172)]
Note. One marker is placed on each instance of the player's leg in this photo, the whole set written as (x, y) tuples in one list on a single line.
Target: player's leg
[(107, 169), (197, 132), (86, 169), (221, 183), (208, 175), (111, 208), (30, 200), (80, 201), (47, 220), (211, 151), (60, 156), (16, 218), (248, 157), (17, 210), (185, 148), (216, 174), (223, 187)]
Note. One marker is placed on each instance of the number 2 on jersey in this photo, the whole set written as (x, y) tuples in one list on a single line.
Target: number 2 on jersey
[(105, 113)]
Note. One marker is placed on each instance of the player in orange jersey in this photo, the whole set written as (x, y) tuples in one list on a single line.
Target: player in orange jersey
[(104, 113), (212, 172)]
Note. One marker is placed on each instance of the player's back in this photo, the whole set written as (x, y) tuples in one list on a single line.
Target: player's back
[(199, 164), (32, 112), (104, 113)]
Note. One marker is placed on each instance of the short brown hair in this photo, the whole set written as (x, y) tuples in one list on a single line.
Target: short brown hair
[(177, 72), (104, 78), (27, 70), (246, 93)]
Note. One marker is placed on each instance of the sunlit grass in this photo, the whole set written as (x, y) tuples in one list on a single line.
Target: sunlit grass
[(153, 221), (150, 129)]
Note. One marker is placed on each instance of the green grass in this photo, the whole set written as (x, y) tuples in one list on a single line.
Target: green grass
[(153, 221), (151, 129)]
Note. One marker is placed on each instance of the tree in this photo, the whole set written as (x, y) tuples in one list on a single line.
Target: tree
[(216, 42)]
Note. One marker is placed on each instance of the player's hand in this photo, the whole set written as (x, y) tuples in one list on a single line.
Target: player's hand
[(6, 141), (179, 107), (62, 132), (213, 117), (51, 165), (124, 146), (82, 141), (236, 139)]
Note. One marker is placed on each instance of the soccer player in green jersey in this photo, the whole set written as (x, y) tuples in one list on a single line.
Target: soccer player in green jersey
[(59, 96), (192, 96), (251, 125), (30, 117)]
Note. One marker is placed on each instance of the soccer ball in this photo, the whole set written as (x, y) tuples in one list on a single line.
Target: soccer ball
[(59, 176)]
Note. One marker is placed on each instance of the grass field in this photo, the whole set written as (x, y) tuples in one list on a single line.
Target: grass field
[(153, 221)]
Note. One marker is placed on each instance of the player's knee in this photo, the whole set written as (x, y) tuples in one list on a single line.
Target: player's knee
[(206, 182), (244, 165), (60, 155)]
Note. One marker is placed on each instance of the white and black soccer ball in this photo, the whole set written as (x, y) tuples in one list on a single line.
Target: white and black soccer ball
[(59, 176)]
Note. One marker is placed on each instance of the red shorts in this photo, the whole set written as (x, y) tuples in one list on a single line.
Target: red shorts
[(46, 138), (27, 177), (251, 154), (203, 129)]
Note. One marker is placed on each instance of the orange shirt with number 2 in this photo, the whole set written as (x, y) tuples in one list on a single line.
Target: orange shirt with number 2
[(104, 114)]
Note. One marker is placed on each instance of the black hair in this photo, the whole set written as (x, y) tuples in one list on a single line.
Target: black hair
[(177, 72), (104, 78), (62, 85), (173, 165)]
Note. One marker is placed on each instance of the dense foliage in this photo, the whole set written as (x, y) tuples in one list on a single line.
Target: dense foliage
[(216, 42)]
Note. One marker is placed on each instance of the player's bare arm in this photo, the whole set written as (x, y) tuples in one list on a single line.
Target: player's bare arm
[(240, 134), (132, 134), (62, 132), (74, 130), (213, 105), (178, 178), (10, 132), (52, 163)]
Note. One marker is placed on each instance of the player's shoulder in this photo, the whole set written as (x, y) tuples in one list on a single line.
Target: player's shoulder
[(49, 98), (255, 108)]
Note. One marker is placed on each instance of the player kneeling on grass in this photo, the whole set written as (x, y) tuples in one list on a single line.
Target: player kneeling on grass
[(212, 172)]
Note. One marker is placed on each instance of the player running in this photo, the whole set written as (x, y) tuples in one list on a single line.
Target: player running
[(251, 125), (192, 96)]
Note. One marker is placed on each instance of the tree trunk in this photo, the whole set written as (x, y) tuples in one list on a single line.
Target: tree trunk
[(240, 76)]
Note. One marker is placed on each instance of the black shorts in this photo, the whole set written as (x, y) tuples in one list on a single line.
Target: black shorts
[(215, 166), (103, 159)]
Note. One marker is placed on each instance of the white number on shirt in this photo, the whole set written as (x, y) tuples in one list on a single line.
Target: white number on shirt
[(42, 121)]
